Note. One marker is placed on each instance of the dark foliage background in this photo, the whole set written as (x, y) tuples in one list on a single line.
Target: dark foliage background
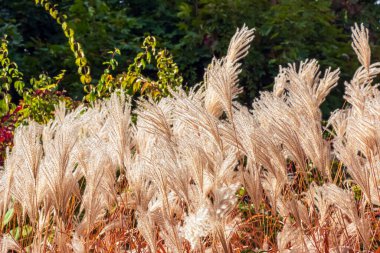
[(194, 31)]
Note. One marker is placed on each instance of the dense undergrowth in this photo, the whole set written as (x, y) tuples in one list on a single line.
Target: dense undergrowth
[(198, 172)]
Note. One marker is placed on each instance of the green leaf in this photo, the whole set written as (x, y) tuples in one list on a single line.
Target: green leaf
[(136, 86), (15, 233), (145, 86), (26, 230), (8, 216), (148, 57), (64, 26), (85, 79), (19, 86), (143, 63)]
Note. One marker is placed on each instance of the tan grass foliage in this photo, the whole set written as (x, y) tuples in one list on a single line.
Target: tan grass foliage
[(198, 172)]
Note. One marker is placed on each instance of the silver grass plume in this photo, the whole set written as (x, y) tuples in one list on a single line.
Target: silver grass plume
[(221, 78), (360, 44)]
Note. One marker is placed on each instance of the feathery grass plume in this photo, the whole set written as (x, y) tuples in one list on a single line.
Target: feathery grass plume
[(28, 187), (297, 109), (326, 84), (201, 123), (221, 78), (170, 234), (176, 177), (196, 226), (168, 172), (140, 187), (141, 198), (339, 121), (277, 119), (319, 203), (94, 199), (354, 163), (307, 88), (291, 239), (357, 144), (362, 159), (360, 90), (6, 182), (154, 122), (239, 44), (215, 75), (8, 244), (363, 76), (357, 139), (272, 188), (196, 161), (244, 136), (244, 123), (261, 153), (280, 82), (154, 127), (345, 202), (297, 210), (117, 128), (77, 245), (223, 203), (360, 44), (319, 151), (167, 211), (343, 220), (162, 207), (147, 228), (59, 163), (252, 184)]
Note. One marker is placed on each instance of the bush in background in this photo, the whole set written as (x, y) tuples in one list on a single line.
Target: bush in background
[(194, 31)]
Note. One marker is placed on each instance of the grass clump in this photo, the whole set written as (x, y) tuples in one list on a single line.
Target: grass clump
[(199, 172)]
